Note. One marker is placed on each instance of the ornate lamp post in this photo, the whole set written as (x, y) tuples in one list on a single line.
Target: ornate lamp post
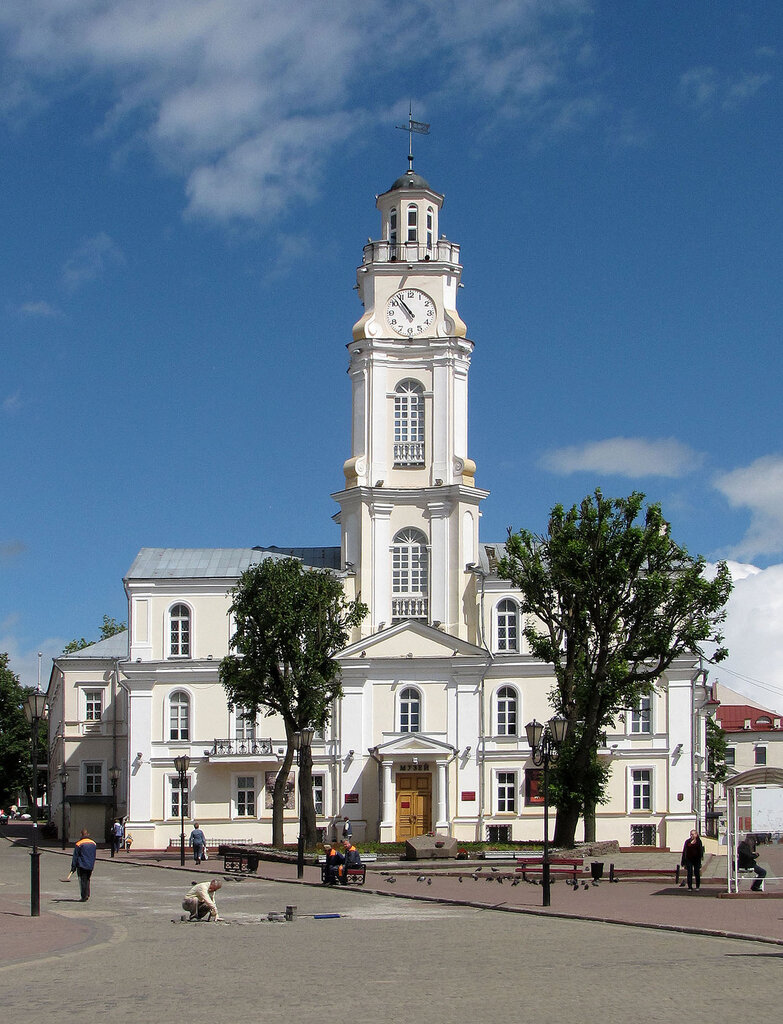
[(62, 775), (114, 778), (545, 742), (181, 765), (301, 741), (35, 709)]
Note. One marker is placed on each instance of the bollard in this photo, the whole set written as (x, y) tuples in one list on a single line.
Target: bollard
[(290, 913)]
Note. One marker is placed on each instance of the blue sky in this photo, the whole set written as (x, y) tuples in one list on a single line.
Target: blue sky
[(187, 186)]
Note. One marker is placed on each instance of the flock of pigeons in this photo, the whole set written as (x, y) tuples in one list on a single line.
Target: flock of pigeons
[(576, 884)]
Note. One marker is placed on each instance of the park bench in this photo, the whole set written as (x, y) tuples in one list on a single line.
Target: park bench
[(353, 876), (237, 859), (557, 866)]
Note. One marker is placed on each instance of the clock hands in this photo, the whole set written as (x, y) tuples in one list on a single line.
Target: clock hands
[(406, 309)]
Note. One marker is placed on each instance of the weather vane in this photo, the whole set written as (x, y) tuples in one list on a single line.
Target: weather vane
[(420, 127)]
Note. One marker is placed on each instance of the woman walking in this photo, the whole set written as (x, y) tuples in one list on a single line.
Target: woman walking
[(692, 856)]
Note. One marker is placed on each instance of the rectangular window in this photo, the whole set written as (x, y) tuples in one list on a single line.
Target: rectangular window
[(245, 727), (761, 755), (318, 794), (641, 716), (643, 835), (507, 791), (246, 796), (641, 789), (93, 779), (93, 705), (180, 809), (498, 833), (731, 756)]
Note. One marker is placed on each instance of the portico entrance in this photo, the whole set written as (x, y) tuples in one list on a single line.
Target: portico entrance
[(414, 805)]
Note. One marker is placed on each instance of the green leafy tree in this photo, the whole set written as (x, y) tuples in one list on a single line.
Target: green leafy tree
[(716, 752), (15, 741), (109, 627), (290, 622), (615, 601)]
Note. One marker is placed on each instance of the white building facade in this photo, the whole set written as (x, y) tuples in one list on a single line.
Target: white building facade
[(437, 682)]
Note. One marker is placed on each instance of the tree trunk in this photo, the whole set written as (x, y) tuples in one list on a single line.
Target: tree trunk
[(565, 825), (589, 823), (307, 804), (278, 797)]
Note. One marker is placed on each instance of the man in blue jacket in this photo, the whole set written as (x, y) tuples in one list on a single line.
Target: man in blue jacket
[(83, 861)]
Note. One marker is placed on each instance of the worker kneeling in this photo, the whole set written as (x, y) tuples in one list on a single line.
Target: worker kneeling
[(352, 860), (200, 901)]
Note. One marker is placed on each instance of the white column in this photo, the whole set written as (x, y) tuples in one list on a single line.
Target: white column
[(381, 568), (140, 742), (442, 821), (438, 512), (388, 796)]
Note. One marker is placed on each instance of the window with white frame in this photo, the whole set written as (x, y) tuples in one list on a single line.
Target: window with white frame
[(410, 710), (318, 794), (730, 756), (641, 789), (180, 798), (507, 711), (93, 778), (641, 716), (246, 796), (244, 724), (507, 625), (430, 222), (179, 631), (409, 424), (393, 226), (413, 223), (506, 790), (179, 716), (93, 705), (410, 576), (760, 755)]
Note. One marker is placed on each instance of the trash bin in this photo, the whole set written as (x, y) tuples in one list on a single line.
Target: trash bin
[(597, 870)]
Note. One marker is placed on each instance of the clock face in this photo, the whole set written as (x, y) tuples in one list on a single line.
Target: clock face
[(410, 312)]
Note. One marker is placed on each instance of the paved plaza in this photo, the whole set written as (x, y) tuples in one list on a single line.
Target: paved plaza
[(127, 953)]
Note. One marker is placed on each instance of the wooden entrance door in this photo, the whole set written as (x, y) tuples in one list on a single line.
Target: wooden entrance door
[(414, 806)]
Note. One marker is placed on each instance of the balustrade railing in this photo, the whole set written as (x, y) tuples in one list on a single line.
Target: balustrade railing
[(410, 608), (233, 747), (384, 251), (409, 453)]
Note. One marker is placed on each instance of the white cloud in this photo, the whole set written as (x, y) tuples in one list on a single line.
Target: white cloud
[(624, 456), (246, 100), (703, 88), (23, 659), (41, 309), (754, 636), (91, 259), (759, 488), (12, 403)]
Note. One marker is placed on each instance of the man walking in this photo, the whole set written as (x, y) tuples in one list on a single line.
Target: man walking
[(83, 862), (198, 841)]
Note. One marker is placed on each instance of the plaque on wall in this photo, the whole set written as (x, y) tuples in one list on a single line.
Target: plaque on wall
[(351, 798)]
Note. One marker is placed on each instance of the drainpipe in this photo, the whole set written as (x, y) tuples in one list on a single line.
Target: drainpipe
[(481, 575)]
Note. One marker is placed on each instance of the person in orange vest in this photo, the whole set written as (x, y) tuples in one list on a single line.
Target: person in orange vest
[(352, 860), (334, 861), (83, 862)]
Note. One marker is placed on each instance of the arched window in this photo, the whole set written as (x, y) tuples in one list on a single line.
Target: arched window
[(410, 710), (410, 577), (507, 625), (507, 711), (430, 221), (409, 424), (393, 231), (179, 716), (413, 223), (179, 631)]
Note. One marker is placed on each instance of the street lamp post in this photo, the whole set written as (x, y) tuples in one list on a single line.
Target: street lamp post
[(114, 777), (301, 742), (181, 765), (35, 709), (545, 742), (63, 777)]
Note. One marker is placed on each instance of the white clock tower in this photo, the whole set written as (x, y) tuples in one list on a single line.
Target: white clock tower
[(409, 512)]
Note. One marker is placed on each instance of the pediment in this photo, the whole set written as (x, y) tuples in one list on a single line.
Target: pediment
[(411, 639), (413, 744)]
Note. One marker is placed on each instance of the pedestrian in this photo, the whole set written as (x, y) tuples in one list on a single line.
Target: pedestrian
[(746, 860), (116, 836), (83, 862), (692, 856), (331, 872), (347, 828), (200, 901), (198, 841)]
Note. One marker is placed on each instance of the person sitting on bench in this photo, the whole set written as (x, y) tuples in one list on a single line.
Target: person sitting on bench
[(352, 860), (746, 860), (334, 861)]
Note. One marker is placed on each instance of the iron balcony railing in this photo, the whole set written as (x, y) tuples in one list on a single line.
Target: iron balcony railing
[(385, 251), (233, 747)]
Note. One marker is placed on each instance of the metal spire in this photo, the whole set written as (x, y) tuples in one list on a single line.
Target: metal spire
[(420, 127)]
